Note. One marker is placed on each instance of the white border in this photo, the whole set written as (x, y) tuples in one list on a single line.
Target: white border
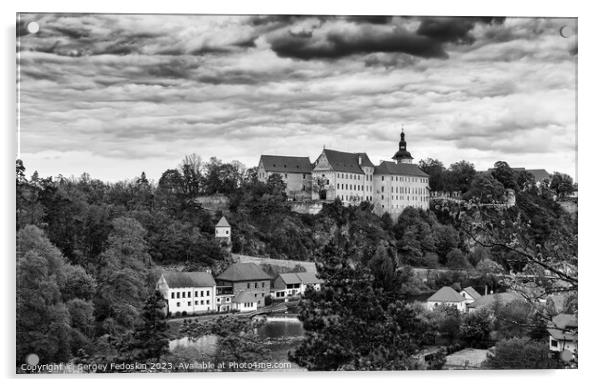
[(589, 182)]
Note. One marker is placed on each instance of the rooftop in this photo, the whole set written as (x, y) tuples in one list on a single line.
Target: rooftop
[(346, 162), (402, 169), (243, 272), (446, 294), (288, 164), (472, 293), (222, 222), (177, 279), (563, 327)]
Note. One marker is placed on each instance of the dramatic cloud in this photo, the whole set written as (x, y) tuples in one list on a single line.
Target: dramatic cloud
[(114, 95)]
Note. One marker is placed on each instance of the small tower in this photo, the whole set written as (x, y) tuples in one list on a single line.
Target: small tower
[(402, 155), (223, 231)]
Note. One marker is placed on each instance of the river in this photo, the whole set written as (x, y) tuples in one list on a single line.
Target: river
[(282, 333)]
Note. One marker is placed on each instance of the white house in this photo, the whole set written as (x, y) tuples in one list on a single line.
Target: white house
[(294, 284), (470, 295), (446, 296), (187, 293), (223, 231), (563, 333), (244, 302)]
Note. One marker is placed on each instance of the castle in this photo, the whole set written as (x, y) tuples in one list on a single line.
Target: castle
[(352, 178)]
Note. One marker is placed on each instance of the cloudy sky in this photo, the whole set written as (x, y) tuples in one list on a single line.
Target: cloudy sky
[(114, 95)]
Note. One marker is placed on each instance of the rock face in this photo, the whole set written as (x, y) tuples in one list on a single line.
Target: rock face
[(216, 202), (311, 208)]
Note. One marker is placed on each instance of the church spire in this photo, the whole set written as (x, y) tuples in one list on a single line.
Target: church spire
[(402, 155)]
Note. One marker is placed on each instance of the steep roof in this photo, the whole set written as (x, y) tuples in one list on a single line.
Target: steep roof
[(446, 294), (244, 297), (472, 293), (365, 160), (344, 161), (222, 222), (243, 272), (177, 279), (403, 169), (288, 164)]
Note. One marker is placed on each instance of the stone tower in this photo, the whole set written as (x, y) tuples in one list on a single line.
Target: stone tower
[(402, 155)]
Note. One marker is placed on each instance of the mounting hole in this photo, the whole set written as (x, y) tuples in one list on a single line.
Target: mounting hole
[(33, 27)]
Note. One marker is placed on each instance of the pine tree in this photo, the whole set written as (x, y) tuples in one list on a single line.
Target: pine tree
[(150, 340)]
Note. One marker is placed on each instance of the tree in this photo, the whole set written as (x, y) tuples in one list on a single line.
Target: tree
[(562, 185), (460, 176), (446, 239), (43, 320), (349, 324), (192, 176), (505, 175), (436, 171), (521, 353), (123, 276), (456, 259), (150, 340), (476, 328), (485, 188)]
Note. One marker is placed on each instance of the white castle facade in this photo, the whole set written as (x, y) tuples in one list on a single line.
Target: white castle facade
[(391, 186)]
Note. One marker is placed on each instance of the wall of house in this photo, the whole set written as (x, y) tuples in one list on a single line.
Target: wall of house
[(295, 182), (246, 307), (191, 300), (393, 194), (563, 345), (258, 292), (461, 306)]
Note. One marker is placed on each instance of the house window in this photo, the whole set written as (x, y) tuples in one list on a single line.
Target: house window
[(202, 302), (173, 295), (177, 304), (554, 343), (196, 302), (178, 295), (248, 285), (263, 284), (227, 232), (189, 303), (196, 293), (202, 293), (208, 293), (189, 294)]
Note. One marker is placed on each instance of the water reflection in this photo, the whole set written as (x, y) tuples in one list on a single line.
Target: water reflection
[(280, 333)]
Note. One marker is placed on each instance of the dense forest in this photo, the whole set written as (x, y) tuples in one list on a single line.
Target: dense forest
[(89, 252)]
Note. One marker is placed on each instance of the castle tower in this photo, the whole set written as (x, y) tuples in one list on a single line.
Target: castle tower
[(223, 231), (402, 155)]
